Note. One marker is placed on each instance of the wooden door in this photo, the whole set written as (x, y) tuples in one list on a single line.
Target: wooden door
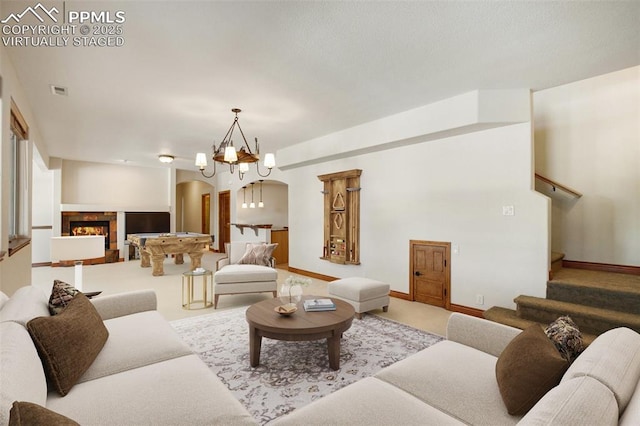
[(205, 204), (224, 219), (281, 253), (430, 273)]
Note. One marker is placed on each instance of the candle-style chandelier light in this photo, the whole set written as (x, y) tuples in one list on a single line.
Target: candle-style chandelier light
[(226, 153)]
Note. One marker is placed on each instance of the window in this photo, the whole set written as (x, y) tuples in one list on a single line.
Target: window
[(19, 179)]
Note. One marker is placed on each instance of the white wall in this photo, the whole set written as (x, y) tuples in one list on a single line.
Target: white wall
[(42, 212), (434, 188), (101, 184), (189, 205), (448, 190), (587, 136), (15, 270)]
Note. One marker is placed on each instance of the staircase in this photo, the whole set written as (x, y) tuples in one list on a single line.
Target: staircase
[(597, 301)]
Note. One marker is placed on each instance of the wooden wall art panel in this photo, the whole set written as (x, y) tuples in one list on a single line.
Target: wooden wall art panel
[(342, 217)]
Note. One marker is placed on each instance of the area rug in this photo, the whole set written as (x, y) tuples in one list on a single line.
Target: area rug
[(293, 374)]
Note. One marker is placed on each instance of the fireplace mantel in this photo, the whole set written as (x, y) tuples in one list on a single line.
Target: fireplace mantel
[(111, 208)]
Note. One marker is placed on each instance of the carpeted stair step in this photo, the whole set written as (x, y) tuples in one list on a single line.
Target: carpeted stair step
[(605, 290), (589, 319), (510, 317)]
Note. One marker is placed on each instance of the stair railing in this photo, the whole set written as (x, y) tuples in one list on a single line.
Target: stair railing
[(555, 185)]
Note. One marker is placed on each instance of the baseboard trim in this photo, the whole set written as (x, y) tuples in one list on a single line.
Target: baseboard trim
[(311, 274), (604, 267), (399, 295), (467, 310), (37, 265)]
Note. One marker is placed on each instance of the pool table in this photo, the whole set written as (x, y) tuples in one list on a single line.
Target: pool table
[(154, 246)]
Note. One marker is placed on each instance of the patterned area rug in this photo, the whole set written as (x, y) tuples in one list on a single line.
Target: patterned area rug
[(292, 374)]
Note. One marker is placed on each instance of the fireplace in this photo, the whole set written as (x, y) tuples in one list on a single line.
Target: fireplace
[(94, 223), (86, 227)]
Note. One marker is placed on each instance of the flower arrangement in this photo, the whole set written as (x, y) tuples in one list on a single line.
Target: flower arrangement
[(304, 282), (292, 288)]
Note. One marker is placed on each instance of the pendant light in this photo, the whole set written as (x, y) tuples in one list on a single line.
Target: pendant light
[(244, 197), (260, 203), (252, 205)]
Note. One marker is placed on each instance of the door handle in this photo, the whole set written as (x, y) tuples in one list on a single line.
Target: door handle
[(417, 273)]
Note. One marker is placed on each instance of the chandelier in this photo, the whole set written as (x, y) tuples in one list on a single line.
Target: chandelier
[(226, 153)]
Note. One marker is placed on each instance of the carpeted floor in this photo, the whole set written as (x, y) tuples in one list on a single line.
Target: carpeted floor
[(292, 374), (599, 279)]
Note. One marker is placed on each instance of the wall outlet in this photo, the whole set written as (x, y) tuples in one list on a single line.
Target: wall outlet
[(456, 249), (508, 211), (479, 299)]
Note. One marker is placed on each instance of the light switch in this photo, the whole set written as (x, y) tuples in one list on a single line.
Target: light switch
[(508, 211)]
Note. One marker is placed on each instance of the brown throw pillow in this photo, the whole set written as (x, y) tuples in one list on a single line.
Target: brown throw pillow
[(69, 342), (527, 369), (61, 295), (564, 333), (30, 414), (258, 254)]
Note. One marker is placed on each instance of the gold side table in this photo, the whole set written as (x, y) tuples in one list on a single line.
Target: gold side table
[(188, 279)]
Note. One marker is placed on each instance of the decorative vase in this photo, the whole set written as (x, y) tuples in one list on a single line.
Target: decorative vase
[(290, 293)]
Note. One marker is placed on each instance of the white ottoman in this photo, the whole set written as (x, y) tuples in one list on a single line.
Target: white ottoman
[(364, 294)]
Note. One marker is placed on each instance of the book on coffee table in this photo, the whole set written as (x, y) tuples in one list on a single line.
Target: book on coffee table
[(319, 305)]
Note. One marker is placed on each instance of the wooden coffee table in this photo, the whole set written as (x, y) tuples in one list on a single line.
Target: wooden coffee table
[(301, 325)]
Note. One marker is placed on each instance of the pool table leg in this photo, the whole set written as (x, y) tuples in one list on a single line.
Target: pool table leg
[(157, 261), (145, 259), (196, 259), (179, 259)]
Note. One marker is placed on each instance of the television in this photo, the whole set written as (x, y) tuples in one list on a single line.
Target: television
[(145, 222)]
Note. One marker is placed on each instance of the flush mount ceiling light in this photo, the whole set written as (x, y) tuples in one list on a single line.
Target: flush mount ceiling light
[(227, 154), (165, 158)]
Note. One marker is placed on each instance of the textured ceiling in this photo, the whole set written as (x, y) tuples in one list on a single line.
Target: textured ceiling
[(300, 70)]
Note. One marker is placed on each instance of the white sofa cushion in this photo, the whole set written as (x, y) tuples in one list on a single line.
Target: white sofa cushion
[(134, 341), (180, 391), (21, 374), (3, 299), (455, 379), (27, 303), (368, 402), (121, 304), (486, 336), (233, 274), (574, 402), (613, 359), (631, 414)]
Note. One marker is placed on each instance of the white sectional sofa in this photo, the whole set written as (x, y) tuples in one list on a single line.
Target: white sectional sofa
[(144, 375), (454, 382)]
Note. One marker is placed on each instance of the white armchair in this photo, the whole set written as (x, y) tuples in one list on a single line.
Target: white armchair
[(234, 276)]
